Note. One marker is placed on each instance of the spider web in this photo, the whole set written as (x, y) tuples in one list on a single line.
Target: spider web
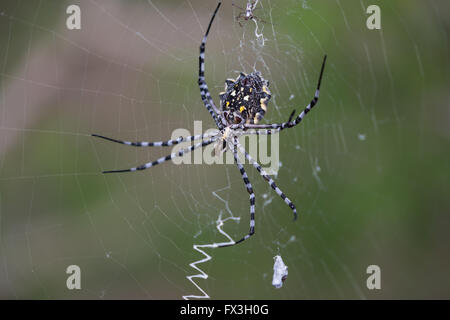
[(368, 168)]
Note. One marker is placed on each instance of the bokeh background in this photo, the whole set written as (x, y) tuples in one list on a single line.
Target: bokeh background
[(368, 169)]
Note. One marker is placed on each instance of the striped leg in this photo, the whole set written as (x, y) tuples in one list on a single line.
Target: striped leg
[(291, 123), (204, 91), (264, 131), (249, 187), (269, 180), (167, 143), (166, 158)]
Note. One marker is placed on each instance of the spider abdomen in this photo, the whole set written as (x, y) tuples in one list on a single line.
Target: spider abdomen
[(245, 98)]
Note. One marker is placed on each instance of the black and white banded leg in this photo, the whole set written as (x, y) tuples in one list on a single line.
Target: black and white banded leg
[(249, 188), (166, 158), (167, 143), (264, 131), (204, 91), (269, 180), (290, 123)]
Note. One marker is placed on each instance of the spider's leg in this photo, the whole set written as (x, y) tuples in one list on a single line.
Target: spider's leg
[(167, 143), (239, 17), (269, 180), (300, 117), (265, 131), (291, 116), (260, 132), (313, 101), (166, 158), (204, 91), (249, 187)]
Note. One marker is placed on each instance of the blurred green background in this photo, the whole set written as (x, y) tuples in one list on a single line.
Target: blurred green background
[(368, 168)]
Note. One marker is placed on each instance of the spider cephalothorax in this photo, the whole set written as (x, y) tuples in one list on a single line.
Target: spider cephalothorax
[(245, 98)]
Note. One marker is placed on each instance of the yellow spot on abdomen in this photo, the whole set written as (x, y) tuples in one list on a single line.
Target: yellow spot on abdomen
[(263, 104)]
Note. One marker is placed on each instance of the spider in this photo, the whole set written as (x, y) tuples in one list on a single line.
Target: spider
[(244, 103), (247, 13)]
